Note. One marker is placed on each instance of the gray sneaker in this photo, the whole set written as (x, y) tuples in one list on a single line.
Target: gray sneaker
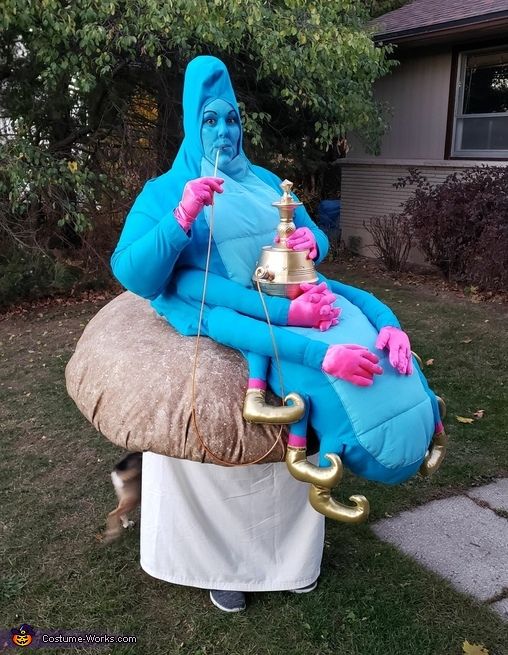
[(305, 590), (228, 601)]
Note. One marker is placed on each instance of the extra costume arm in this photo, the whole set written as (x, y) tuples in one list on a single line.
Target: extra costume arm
[(244, 333), (302, 218), (379, 314), (247, 334), (148, 248), (226, 293)]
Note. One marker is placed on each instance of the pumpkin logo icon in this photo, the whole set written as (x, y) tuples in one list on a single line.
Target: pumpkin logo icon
[(22, 636)]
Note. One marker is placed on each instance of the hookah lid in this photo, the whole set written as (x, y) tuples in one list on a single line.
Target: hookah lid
[(286, 200)]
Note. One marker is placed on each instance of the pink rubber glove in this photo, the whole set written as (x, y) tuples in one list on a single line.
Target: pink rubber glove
[(196, 194), (302, 239), (399, 349), (313, 308), (352, 363), (329, 315)]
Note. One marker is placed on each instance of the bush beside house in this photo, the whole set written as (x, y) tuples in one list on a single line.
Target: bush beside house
[(461, 225)]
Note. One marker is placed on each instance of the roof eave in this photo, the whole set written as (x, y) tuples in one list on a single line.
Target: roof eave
[(420, 34)]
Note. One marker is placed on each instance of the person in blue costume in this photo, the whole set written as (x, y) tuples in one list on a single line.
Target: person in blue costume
[(229, 530), (160, 254)]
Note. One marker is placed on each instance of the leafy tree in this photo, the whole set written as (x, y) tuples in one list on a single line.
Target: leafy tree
[(90, 95), (380, 7)]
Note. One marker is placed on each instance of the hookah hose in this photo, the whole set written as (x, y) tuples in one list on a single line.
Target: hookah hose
[(278, 439)]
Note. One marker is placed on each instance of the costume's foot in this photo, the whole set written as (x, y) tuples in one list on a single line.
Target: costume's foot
[(228, 601), (305, 590), (256, 410)]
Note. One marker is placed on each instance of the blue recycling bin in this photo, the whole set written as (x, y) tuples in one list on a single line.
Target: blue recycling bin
[(329, 217)]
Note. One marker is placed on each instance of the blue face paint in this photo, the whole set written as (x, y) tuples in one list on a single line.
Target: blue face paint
[(220, 131)]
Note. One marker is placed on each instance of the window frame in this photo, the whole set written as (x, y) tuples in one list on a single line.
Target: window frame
[(458, 104)]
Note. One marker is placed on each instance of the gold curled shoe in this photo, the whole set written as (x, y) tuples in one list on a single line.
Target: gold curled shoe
[(435, 455), (322, 502), (322, 480), (437, 449), (257, 410)]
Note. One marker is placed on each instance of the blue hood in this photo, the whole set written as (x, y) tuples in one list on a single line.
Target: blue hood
[(206, 79)]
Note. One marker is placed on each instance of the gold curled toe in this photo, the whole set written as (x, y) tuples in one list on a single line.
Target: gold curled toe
[(435, 455), (322, 480), (298, 405), (257, 410), (303, 470), (321, 500)]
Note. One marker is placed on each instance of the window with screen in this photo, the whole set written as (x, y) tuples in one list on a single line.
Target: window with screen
[(481, 108)]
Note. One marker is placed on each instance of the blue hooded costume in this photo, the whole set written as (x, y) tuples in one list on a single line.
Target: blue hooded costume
[(381, 432)]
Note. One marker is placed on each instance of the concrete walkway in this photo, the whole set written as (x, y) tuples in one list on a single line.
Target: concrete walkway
[(463, 538)]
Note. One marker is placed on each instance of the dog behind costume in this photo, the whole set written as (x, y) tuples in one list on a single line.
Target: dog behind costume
[(126, 478)]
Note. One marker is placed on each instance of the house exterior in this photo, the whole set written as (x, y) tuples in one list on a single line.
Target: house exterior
[(449, 105)]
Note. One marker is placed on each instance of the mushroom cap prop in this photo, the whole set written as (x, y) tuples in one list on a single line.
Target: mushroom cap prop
[(131, 377)]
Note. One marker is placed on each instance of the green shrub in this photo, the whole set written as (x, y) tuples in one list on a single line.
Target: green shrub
[(28, 275)]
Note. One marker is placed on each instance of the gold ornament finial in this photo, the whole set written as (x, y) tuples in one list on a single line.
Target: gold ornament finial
[(286, 187)]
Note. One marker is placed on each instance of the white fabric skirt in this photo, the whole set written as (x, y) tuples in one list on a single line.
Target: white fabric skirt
[(247, 528)]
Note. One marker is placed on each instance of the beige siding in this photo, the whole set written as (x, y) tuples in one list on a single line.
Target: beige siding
[(368, 191), (417, 91)]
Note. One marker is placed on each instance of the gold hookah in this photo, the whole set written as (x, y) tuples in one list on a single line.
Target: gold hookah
[(280, 270)]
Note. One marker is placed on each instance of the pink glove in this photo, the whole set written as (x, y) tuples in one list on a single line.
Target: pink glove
[(352, 363), (399, 349), (313, 308), (196, 194), (302, 239)]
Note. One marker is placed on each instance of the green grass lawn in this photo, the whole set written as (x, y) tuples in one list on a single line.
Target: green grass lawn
[(371, 600)]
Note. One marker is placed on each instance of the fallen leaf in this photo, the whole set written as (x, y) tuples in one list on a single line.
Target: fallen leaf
[(479, 413), (463, 419), (474, 649), (466, 340), (429, 362)]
